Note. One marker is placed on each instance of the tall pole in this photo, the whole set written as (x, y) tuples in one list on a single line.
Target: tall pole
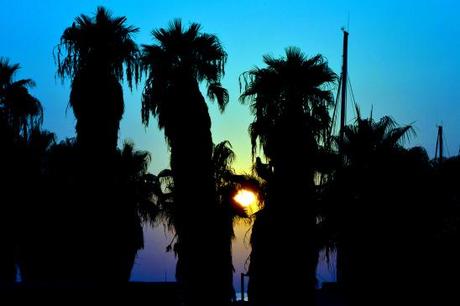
[(343, 108), (242, 286), (340, 257), (440, 144)]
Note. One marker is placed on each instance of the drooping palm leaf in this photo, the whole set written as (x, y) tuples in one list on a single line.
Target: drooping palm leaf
[(102, 40), (180, 52), (22, 111), (286, 85)]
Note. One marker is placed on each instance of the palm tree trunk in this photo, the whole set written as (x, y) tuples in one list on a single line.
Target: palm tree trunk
[(97, 102), (284, 248), (204, 262)]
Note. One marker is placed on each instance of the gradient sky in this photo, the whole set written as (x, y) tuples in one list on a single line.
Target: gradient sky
[(403, 61)]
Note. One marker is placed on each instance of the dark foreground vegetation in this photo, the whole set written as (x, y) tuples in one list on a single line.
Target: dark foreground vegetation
[(71, 212)]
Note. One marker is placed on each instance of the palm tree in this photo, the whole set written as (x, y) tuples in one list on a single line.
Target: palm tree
[(134, 206), (378, 216), (227, 184), (20, 115), (176, 64), (88, 254), (142, 185), (367, 138), (97, 53), (21, 111), (289, 99)]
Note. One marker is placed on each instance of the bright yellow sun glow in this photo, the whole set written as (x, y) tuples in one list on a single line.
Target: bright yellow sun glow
[(245, 198)]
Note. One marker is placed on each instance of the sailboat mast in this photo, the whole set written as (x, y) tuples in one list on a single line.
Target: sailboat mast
[(439, 145), (343, 107)]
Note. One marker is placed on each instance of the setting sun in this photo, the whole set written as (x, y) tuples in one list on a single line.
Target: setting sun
[(245, 198)]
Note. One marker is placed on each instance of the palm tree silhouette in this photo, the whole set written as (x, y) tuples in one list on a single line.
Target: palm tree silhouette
[(227, 184), (289, 99), (379, 218), (21, 111), (141, 184), (136, 205), (176, 64), (90, 254), (21, 115), (97, 53), (368, 137)]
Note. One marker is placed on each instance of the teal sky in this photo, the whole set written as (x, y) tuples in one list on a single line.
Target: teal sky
[(403, 58)]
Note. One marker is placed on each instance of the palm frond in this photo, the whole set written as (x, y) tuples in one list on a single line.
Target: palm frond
[(180, 55), (219, 93), (100, 42), (293, 84)]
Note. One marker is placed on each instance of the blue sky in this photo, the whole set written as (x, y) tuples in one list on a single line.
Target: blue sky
[(403, 59)]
